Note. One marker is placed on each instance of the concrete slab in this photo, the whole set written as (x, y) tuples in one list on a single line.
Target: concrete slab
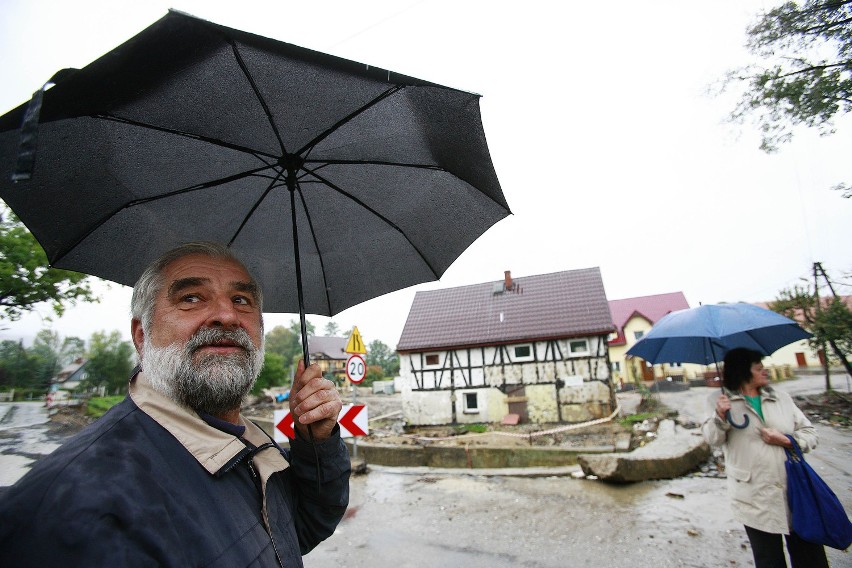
[(675, 452)]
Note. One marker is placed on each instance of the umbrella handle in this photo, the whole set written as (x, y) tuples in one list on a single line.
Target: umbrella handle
[(734, 424)]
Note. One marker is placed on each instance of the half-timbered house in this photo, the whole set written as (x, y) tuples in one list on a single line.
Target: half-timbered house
[(534, 347)]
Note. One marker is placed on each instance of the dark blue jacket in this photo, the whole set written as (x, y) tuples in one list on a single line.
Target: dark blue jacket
[(126, 492)]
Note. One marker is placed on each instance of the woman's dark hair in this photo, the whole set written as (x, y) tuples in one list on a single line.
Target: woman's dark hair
[(737, 369)]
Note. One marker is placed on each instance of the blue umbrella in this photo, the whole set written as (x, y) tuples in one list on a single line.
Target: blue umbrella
[(705, 334)]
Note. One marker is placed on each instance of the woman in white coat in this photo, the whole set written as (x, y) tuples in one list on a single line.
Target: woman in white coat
[(755, 456)]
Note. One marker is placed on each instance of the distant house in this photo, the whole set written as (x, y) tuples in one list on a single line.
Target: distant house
[(633, 318), (533, 346), (70, 377), (329, 354)]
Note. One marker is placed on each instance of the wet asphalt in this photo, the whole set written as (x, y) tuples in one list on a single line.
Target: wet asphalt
[(401, 517)]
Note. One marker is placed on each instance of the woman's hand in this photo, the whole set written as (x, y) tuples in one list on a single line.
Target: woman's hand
[(773, 437), (723, 405)]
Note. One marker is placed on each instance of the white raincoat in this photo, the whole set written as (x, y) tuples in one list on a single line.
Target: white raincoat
[(757, 478)]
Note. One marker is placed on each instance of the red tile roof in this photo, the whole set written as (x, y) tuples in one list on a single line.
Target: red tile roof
[(558, 305), (652, 308)]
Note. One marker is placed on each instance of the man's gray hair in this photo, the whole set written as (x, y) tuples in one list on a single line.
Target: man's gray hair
[(151, 282)]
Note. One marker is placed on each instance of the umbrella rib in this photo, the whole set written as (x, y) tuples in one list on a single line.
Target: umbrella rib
[(209, 140), (376, 213), (95, 226), (241, 62), (254, 208), (316, 245), (324, 134), (376, 163)]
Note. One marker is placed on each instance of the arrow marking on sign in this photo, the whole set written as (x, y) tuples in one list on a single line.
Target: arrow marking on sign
[(348, 420), (285, 426)]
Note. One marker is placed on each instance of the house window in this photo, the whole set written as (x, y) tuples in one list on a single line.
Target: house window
[(471, 403), (616, 366), (433, 360), (523, 353), (578, 347), (638, 335)]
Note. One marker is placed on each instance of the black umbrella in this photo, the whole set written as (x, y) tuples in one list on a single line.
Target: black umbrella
[(334, 181)]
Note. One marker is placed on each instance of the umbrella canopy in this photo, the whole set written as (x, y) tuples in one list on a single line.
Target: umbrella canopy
[(704, 334), (324, 175)]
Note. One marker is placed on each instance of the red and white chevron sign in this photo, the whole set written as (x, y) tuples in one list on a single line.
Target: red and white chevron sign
[(352, 419)]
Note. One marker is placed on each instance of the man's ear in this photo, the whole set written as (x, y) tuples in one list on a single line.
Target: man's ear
[(137, 334)]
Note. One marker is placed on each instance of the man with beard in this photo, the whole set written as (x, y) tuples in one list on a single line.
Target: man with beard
[(174, 475)]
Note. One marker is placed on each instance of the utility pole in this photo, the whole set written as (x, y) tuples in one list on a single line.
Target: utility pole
[(818, 269)]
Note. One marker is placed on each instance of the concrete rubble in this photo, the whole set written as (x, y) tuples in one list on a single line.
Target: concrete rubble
[(675, 451)]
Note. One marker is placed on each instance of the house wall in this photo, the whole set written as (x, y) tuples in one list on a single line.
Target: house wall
[(628, 371), (560, 384)]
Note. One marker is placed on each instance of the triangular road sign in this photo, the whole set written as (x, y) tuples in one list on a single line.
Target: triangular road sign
[(356, 344)]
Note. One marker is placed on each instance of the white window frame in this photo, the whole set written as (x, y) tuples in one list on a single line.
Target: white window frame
[(465, 408), (516, 357), (572, 353), (637, 335)]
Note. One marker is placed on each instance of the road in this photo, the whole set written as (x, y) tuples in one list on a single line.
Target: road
[(402, 517)]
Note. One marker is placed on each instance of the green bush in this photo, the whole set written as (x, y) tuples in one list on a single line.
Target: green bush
[(97, 406)]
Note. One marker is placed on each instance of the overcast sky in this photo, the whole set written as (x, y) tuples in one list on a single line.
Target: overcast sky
[(609, 150)]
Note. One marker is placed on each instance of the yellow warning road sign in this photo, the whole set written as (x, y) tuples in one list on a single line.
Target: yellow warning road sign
[(356, 344)]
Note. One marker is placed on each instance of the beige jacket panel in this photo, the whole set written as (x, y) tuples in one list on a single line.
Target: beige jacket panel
[(757, 478)]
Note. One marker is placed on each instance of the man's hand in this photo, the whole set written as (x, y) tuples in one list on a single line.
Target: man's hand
[(315, 401)]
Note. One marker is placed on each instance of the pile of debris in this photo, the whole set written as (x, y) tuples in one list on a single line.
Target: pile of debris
[(832, 408)]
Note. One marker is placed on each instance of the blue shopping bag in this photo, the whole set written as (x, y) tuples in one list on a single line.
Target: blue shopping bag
[(818, 515)]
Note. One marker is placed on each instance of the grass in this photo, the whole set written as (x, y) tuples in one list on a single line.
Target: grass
[(97, 406), (629, 421)]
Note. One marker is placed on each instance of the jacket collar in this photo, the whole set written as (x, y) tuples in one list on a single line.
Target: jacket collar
[(214, 449)]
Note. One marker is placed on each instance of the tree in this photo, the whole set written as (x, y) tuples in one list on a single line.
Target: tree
[(273, 374), (831, 324), (380, 355), (46, 351), (806, 77), (72, 349), (110, 361), (296, 327), (25, 277), (331, 329), (283, 342), (18, 368)]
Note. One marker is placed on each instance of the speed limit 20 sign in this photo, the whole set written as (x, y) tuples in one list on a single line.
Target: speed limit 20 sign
[(356, 368)]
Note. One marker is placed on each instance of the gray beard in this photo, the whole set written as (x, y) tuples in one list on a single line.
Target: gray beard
[(211, 383)]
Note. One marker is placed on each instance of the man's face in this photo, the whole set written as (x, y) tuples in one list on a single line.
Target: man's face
[(204, 345), (202, 291)]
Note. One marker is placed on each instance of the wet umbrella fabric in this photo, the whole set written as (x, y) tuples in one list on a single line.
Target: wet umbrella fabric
[(705, 334), (335, 178)]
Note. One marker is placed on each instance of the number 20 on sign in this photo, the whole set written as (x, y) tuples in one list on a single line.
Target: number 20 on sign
[(356, 369)]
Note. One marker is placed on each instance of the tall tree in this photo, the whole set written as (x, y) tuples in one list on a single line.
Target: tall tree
[(46, 350), (273, 374), (18, 368), (296, 327), (284, 342), (831, 324), (72, 349), (379, 354), (25, 277), (110, 361), (806, 73), (331, 329)]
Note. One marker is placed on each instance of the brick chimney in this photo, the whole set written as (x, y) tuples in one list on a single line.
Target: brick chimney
[(507, 283)]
